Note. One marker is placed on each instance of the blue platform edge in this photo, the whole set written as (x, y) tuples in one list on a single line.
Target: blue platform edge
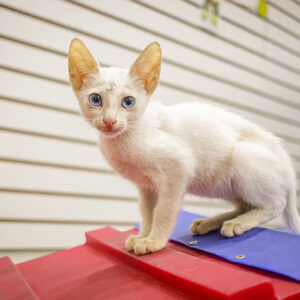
[(266, 249)]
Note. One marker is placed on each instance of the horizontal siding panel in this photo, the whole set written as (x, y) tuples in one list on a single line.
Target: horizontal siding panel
[(296, 164), (288, 58), (21, 256), (287, 7), (34, 60), (237, 97), (209, 42), (23, 176), (260, 26), (293, 149), (60, 38), (190, 58), (37, 90), (284, 21), (46, 121), (9, 87), (203, 61), (66, 209), (35, 149), (208, 86), (244, 15), (45, 236)]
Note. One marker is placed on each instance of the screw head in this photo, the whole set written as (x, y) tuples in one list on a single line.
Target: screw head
[(240, 256), (193, 242)]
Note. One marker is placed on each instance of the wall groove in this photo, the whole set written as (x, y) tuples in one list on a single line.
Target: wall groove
[(57, 165), (68, 222), (48, 136)]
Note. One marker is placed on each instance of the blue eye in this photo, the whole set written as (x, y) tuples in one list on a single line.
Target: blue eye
[(128, 102), (95, 99)]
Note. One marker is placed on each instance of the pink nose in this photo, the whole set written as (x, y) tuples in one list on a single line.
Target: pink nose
[(109, 122)]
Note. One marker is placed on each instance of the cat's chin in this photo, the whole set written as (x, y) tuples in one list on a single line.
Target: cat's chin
[(110, 133)]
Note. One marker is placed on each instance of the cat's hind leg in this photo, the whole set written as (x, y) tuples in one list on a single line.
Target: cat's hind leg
[(203, 226), (252, 218), (261, 179)]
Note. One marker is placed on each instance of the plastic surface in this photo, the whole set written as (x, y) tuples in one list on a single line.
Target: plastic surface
[(12, 283), (103, 269)]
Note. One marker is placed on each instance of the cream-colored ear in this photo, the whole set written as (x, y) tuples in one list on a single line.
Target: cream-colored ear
[(81, 64), (147, 67)]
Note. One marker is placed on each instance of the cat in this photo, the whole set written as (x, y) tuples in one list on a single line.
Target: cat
[(168, 151)]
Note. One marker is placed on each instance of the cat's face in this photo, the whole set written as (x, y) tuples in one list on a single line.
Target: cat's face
[(113, 99)]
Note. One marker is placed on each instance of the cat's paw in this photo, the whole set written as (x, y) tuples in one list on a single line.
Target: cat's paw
[(232, 228), (130, 242), (146, 245), (202, 226)]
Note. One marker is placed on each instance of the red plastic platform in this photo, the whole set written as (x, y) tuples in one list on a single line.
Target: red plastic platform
[(103, 269)]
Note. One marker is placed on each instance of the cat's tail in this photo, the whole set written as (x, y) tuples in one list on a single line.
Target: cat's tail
[(291, 214)]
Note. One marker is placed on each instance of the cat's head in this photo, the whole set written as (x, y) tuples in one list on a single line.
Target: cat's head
[(113, 99)]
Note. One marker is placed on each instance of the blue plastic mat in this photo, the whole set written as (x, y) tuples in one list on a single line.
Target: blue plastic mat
[(266, 249)]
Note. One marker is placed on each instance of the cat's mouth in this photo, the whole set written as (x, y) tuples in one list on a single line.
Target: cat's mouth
[(109, 131)]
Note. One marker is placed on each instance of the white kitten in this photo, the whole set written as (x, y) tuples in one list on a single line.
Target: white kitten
[(191, 147)]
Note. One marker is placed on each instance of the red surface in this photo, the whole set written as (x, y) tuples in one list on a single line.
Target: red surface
[(103, 269), (12, 283)]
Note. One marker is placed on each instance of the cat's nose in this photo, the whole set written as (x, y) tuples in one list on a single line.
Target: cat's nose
[(109, 122)]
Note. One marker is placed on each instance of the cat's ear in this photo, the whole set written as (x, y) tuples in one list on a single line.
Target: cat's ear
[(147, 67), (82, 64)]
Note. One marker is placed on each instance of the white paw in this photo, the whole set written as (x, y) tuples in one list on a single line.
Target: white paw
[(146, 245), (130, 242), (202, 226), (232, 228)]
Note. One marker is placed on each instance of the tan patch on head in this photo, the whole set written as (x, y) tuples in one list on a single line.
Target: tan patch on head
[(147, 67), (81, 64)]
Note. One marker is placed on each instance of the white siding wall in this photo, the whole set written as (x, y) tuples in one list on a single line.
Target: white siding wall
[(54, 183)]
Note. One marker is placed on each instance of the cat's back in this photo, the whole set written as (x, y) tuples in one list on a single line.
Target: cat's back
[(193, 112), (194, 117), (209, 123)]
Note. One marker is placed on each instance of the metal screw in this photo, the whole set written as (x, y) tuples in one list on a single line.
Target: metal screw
[(240, 256), (193, 242)]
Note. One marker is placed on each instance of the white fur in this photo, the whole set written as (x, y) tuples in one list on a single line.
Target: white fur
[(190, 147)]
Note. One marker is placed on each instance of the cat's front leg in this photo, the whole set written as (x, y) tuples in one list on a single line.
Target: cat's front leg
[(148, 199), (165, 214)]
